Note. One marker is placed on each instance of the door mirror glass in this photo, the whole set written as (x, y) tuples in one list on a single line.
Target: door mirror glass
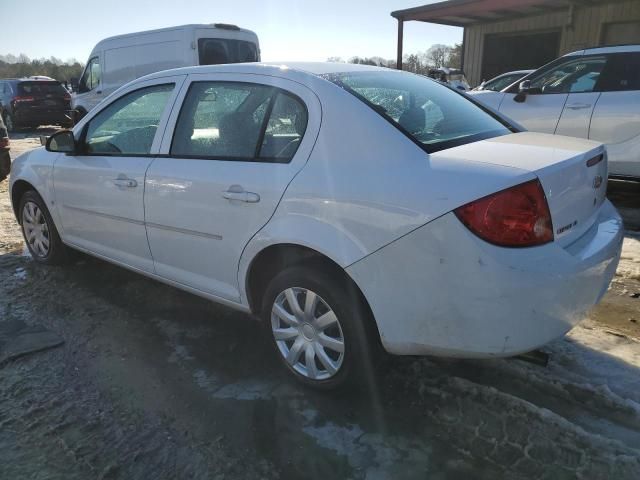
[(61, 142)]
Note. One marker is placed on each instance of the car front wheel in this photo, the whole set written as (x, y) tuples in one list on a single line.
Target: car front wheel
[(39, 231), (319, 327)]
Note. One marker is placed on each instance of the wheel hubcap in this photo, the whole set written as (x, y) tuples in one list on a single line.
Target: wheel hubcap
[(36, 230), (308, 333)]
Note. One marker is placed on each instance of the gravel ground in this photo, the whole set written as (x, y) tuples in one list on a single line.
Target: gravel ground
[(155, 383)]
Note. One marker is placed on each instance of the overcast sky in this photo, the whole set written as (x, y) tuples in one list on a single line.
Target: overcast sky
[(287, 29)]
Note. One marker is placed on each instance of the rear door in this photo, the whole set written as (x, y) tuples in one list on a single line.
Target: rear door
[(551, 88), (99, 192), (228, 155), (616, 117)]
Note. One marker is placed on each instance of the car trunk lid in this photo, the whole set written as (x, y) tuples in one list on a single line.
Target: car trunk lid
[(572, 171)]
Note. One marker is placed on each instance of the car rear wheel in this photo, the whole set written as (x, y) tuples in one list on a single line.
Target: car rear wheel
[(319, 327), (39, 231)]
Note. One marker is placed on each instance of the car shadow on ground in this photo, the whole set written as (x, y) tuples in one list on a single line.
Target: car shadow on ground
[(210, 370), (625, 195)]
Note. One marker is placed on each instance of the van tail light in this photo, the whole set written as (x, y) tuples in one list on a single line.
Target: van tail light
[(516, 217)]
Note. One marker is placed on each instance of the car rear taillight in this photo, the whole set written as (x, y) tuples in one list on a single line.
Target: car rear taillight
[(516, 217), (23, 99), (4, 142)]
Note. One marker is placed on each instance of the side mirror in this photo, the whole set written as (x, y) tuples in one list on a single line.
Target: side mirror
[(74, 84), (61, 142), (523, 89)]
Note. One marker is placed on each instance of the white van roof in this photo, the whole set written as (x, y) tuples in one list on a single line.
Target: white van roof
[(223, 27)]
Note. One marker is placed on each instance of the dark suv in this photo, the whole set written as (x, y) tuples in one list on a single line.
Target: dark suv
[(5, 159), (30, 102)]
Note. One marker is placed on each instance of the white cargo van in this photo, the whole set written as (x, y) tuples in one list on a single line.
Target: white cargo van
[(117, 60)]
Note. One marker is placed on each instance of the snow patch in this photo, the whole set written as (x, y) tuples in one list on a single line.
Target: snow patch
[(20, 273)]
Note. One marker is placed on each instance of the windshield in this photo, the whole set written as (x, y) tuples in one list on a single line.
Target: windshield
[(216, 51), (429, 113)]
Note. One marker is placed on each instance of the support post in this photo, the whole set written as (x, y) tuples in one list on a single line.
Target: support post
[(400, 35)]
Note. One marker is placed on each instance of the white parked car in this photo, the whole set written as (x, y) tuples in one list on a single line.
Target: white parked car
[(499, 83), (593, 93), (118, 60), (346, 206)]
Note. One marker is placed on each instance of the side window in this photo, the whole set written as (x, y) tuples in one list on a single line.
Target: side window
[(95, 73), (228, 120), (91, 76), (285, 128), (622, 73), (572, 76), (128, 126)]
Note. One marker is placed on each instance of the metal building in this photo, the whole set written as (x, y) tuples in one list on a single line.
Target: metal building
[(504, 35)]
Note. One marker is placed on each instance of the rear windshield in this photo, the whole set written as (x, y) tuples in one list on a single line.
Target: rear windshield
[(41, 88), (216, 51), (432, 115)]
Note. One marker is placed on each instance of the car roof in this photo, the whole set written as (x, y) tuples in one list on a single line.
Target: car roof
[(527, 70), (607, 49), (279, 69), (28, 79)]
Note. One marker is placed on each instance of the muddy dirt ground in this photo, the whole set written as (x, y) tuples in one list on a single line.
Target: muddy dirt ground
[(152, 382)]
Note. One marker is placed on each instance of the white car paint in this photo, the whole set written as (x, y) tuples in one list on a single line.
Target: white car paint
[(123, 58), (610, 117), (361, 193)]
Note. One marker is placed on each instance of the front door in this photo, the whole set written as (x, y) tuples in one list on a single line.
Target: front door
[(551, 89), (99, 192), (238, 142)]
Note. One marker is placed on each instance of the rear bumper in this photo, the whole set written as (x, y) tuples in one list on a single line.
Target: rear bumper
[(42, 117), (443, 291)]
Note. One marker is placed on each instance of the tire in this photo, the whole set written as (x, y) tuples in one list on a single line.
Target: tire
[(34, 213), (353, 326)]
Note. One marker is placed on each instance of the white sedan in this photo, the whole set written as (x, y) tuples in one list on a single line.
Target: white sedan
[(346, 206)]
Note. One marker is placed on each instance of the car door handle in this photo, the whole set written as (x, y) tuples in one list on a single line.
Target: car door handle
[(248, 197), (125, 182), (579, 106)]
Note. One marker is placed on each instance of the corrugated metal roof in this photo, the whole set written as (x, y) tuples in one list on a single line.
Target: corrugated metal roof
[(462, 13)]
